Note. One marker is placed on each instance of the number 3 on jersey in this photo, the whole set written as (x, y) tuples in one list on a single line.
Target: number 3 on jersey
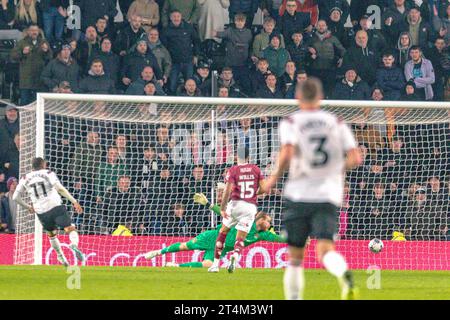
[(320, 155), (247, 189)]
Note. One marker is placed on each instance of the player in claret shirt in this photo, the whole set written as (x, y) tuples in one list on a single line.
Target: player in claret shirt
[(243, 181), (44, 189)]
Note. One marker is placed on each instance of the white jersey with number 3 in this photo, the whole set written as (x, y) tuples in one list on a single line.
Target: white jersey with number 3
[(316, 170), (40, 186)]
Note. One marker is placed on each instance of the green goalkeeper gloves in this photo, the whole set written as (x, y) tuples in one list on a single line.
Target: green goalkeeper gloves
[(201, 199)]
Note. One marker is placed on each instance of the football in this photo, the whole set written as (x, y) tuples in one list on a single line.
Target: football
[(376, 245)]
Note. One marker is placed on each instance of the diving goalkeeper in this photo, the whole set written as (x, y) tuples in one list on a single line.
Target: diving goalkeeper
[(261, 231)]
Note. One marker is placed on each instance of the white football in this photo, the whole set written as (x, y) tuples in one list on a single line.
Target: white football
[(376, 245)]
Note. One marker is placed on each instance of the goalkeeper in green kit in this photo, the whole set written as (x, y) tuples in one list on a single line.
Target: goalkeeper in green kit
[(261, 231)]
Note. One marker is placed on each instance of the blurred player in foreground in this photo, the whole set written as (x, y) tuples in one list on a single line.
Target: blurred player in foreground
[(44, 189), (205, 241), (243, 181), (317, 148)]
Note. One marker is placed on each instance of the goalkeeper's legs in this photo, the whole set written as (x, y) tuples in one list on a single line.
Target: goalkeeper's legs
[(175, 247), (294, 279), (335, 264), (54, 241), (74, 240)]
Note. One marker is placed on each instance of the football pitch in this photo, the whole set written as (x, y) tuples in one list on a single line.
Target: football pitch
[(55, 282)]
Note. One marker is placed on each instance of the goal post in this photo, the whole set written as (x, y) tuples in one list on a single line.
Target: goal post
[(136, 161)]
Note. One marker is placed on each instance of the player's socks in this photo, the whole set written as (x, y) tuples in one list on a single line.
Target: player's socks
[(335, 264), (191, 265), (74, 239), (54, 241), (294, 281), (239, 245), (175, 247), (219, 245)]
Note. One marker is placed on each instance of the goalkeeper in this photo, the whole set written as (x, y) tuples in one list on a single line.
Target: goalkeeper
[(261, 231)]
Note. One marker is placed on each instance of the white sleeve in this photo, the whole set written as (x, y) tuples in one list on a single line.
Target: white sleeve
[(287, 135), (348, 140), (54, 181)]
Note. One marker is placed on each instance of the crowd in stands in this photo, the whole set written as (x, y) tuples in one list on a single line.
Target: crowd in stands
[(171, 47)]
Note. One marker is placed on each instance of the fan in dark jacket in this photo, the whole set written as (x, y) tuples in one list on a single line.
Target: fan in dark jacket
[(363, 58), (147, 76), (298, 50), (270, 90), (97, 82), (111, 61), (390, 78), (203, 78), (6, 14), (351, 87), (62, 68), (86, 49), (336, 24), (136, 61), (189, 89), (258, 76), (292, 21), (91, 10), (128, 36), (326, 6)]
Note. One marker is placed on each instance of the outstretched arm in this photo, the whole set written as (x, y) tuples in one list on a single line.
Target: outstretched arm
[(200, 198), (66, 194)]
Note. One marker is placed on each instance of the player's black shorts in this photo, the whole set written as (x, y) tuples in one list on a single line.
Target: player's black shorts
[(58, 217), (302, 219)]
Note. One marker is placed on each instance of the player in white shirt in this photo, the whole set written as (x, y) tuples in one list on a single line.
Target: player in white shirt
[(44, 189), (317, 148)]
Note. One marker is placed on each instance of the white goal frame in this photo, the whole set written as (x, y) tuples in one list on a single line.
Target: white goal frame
[(43, 97)]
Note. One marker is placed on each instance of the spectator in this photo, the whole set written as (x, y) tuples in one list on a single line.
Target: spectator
[(390, 78), (226, 80), (352, 87), (128, 36), (261, 40), (393, 17), (377, 94), (101, 28), (437, 55), (442, 25), (91, 10), (359, 8), (376, 39), (419, 221), (148, 10), (108, 173), (111, 61), (377, 222), (288, 78), (306, 6), (32, 53), (326, 53), (11, 158), (363, 58), (213, 16), (189, 89), (163, 146), (9, 127), (160, 52), (181, 39), (301, 77), (270, 90), (87, 48), (402, 49), (189, 10), (298, 51), (7, 13), (276, 56), (124, 6), (245, 7), (145, 167), (122, 204), (28, 13), (258, 76), (135, 62), (54, 16), (86, 156), (238, 43), (147, 76), (179, 223), (123, 149), (292, 21), (202, 79), (326, 7), (421, 71), (61, 68), (409, 92), (336, 24), (420, 31), (97, 82), (8, 208)]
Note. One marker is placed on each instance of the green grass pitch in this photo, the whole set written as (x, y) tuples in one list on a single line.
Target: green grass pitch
[(50, 282)]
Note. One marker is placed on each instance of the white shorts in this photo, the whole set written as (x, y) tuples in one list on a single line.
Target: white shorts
[(241, 215)]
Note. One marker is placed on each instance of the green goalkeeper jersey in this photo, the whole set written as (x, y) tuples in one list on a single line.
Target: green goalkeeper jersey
[(252, 237)]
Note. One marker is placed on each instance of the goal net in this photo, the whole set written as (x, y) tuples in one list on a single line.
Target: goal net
[(135, 163)]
